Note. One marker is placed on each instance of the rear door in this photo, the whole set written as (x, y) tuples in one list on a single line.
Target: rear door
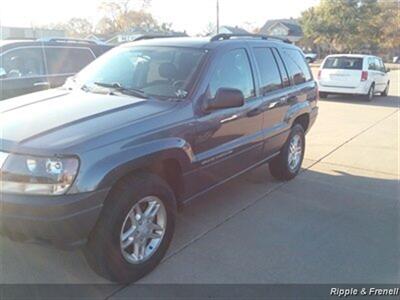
[(274, 86), (380, 75), (341, 71), (63, 62), (23, 72)]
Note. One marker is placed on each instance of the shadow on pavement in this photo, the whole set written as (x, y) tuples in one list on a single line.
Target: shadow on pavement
[(322, 227), (388, 101)]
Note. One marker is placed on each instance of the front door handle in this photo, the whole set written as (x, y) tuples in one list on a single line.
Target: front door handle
[(41, 83), (229, 119)]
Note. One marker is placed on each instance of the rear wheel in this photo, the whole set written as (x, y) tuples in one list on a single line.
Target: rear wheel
[(386, 91), (134, 230), (287, 164), (371, 93)]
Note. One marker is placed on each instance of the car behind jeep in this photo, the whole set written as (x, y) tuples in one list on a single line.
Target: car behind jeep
[(105, 161)]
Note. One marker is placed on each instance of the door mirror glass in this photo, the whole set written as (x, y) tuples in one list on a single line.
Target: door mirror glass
[(3, 73), (226, 98)]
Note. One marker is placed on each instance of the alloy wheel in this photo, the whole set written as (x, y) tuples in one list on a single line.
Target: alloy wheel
[(143, 230)]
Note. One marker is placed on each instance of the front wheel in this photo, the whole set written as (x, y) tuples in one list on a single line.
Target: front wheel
[(287, 164), (134, 230), (386, 91)]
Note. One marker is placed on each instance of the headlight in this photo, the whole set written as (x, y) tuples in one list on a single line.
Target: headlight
[(24, 174)]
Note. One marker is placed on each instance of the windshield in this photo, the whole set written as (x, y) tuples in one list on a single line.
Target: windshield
[(156, 71), (342, 62)]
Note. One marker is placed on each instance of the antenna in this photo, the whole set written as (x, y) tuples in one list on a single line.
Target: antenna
[(217, 16)]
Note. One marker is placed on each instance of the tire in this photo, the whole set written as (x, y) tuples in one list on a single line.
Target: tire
[(104, 252), (323, 95), (386, 91), (371, 93), (279, 166)]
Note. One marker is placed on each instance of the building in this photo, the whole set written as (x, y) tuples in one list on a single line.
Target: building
[(283, 28), (22, 33), (130, 36)]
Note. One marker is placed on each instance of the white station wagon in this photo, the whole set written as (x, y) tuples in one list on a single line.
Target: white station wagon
[(353, 74)]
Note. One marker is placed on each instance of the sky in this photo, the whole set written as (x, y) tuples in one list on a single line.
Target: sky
[(190, 15)]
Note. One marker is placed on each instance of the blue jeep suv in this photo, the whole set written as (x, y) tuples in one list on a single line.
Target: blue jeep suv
[(105, 161)]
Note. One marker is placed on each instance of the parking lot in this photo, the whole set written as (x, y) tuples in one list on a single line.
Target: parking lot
[(337, 222)]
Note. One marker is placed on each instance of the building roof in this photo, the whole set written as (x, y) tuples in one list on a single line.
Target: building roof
[(291, 24), (234, 29)]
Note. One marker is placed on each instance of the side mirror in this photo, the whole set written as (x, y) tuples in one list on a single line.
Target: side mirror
[(226, 98), (388, 70), (3, 73)]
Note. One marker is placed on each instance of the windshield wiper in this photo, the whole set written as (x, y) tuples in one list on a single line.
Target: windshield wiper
[(118, 87)]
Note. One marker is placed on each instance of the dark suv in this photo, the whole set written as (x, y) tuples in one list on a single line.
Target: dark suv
[(31, 66), (106, 160)]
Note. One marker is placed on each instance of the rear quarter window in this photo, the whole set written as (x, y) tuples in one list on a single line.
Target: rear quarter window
[(345, 63), (269, 72), (297, 66)]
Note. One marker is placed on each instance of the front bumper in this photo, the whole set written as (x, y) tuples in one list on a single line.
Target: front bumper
[(63, 221)]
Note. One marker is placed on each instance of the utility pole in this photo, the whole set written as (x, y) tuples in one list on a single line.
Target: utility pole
[(217, 16)]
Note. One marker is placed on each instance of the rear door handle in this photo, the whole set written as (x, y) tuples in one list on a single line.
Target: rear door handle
[(41, 83)]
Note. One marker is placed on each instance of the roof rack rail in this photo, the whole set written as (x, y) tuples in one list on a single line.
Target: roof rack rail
[(156, 36), (68, 40), (227, 36)]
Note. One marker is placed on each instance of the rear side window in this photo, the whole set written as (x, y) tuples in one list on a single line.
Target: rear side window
[(67, 60), (233, 71), (22, 63), (343, 62), (269, 72), (297, 66)]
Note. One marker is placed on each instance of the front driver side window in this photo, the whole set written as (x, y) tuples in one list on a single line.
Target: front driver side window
[(233, 71), (22, 63)]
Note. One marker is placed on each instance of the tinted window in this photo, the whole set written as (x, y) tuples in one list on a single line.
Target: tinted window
[(158, 71), (233, 71), (67, 60), (269, 72), (343, 62), (24, 62), (297, 66), (282, 68)]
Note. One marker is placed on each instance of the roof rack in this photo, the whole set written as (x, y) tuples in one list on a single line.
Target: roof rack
[(228, 36), (68, 40), (156, 36)]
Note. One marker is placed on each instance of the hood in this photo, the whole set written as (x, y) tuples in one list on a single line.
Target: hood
[(60, 118)]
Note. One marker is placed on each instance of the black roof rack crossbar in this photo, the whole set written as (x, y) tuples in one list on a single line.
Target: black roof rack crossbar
[(62, 39), (156, 36), (227, 36)]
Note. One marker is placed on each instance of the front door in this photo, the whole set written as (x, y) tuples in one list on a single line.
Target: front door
[(228, 140)]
